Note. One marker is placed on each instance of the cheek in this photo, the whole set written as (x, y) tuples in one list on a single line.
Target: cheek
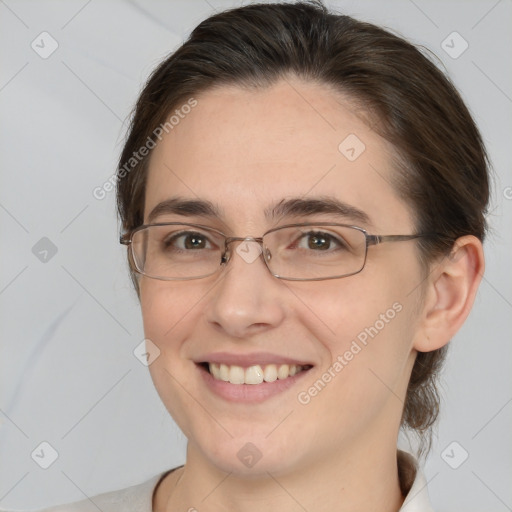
[(169, 312), (367, 344), (357, 309), (166, 307), (367, 323)]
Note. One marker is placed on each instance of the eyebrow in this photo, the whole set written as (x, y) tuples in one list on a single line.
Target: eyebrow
[(294, 207)]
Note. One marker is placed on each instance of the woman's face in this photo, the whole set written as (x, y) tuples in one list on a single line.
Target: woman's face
[(246, 152)]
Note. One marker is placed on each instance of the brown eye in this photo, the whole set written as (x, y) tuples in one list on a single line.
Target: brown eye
[(194, 242), (187, 241), (320, 241)]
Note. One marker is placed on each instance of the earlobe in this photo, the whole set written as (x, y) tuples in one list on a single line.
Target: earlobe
[(451, 292)]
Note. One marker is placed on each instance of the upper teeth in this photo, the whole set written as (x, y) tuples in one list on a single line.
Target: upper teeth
[(253, 374)]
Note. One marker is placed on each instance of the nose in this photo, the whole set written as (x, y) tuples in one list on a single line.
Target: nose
[(247, 299)]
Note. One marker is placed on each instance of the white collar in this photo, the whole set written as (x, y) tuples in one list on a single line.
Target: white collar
[(411, 478)]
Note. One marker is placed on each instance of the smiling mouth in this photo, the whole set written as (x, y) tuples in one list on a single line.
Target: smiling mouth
[(256, 374)]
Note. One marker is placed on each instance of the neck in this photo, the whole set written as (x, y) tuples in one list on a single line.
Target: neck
[(359, 480)]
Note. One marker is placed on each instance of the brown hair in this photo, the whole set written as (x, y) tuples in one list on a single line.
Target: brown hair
[(442, 168)]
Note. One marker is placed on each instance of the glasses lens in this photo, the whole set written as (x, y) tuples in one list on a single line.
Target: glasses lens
[(177, 251), (315, 252)]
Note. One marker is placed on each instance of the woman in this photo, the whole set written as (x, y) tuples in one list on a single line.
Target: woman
[(302, 196)]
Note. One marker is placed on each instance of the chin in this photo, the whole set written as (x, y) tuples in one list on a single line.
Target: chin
[(250, 457)]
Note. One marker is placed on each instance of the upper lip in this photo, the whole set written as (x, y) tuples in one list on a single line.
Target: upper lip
[(246, 360)]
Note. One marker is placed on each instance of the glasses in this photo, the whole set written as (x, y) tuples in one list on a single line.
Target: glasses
[(174, 251)]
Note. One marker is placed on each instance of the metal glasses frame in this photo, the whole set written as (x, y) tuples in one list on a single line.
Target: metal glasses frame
[(126, 239)]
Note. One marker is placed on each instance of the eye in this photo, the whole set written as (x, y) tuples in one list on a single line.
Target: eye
[(320, 241), (187, 240)]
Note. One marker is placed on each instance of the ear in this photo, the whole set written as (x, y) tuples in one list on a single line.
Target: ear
[(450, 293)]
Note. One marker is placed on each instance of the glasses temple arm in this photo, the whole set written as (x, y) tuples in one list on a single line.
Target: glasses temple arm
[(378, 239)]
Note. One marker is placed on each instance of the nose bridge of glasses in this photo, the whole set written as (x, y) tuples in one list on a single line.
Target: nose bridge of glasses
[(230, 239), (249, 248)]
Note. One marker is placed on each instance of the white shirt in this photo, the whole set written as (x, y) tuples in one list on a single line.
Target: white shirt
[(139, 498)]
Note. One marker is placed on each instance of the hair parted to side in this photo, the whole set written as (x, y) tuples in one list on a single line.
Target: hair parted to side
[(442, 166)]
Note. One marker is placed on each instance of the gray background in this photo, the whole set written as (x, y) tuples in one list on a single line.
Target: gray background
[(70, 324)]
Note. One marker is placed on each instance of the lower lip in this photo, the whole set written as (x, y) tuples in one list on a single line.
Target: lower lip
[(248, 393)]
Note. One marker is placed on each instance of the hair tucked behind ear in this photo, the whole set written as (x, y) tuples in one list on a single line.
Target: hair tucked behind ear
[(422, 401)]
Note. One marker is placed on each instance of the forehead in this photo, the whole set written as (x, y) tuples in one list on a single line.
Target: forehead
[(245, 150)]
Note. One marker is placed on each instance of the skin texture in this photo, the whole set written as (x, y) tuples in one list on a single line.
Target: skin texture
[(246, 150)]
